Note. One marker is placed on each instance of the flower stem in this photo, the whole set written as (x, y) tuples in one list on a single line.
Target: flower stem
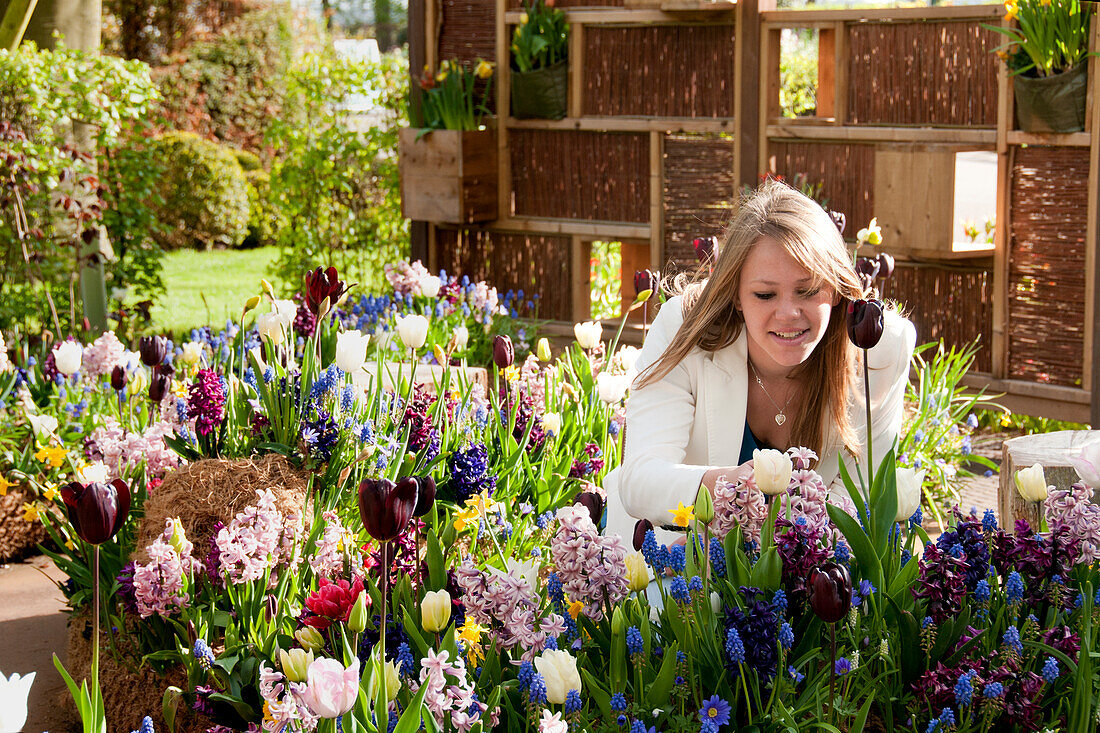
[(832, 666), (867, 405), (383, 714)]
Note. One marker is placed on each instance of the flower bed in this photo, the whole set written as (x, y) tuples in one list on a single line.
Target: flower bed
[(434, 557)]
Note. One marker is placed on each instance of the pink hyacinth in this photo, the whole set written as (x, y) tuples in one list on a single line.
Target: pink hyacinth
[(328, 560), (740, 504), (103, 355), (450, 692), (124, 450), (592, 567), (1073, 509), (252, 543), (159, 585), (508, 603), (405, 277), (285, 702)]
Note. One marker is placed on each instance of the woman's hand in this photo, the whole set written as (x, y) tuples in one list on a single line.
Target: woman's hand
[(732, 474)]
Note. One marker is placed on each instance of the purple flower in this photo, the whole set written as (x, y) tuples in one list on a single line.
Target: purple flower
[(842, 666), (206, 402), (715, 711)]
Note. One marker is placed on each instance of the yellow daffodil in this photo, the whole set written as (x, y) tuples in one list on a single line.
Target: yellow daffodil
[(523, 19), (575, 609), (511, 374), (30, 512), (470, 634), (4, 486), (465, 518), (482, 503), (485, 69), (50, 493), (681, 515), (54, 455), (440, 77), (69, 544), (1012, 11)]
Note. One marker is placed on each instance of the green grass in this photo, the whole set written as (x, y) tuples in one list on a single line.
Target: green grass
[(226, 278)]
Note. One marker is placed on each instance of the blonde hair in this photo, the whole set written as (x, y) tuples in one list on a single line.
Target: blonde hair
[(712, 322)]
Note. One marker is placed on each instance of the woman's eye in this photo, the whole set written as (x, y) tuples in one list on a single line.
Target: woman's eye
[(810, 293), (764, 296)]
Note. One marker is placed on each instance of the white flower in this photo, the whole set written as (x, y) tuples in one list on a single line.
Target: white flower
[(413, 330), (461, 338), (94, 473), (67, 357), (351, 350), (715, 602), (589, 335), (559, 669), (1087, 464), (772, 471), (285, 309), (435, 610), (5, 362), (1031, 483), (625, 359), (14, 692), (637, 572), (42, 425), (551, 423), (429, 286), (612, 387), (393, 682), (527, 571), (271, 325), (295, 664), (192, 352), (871, 235), (654, 615), (552, 723), (909, 482)]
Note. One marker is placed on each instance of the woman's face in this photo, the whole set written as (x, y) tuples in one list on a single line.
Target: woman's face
[(785, 316)]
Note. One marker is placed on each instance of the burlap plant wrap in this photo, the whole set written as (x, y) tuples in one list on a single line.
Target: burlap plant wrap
[(1052, 103), (18, 537), (541, 93)]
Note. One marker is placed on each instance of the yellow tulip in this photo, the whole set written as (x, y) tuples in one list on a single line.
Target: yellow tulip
[(637, 572), (435, 611), (484, 70)]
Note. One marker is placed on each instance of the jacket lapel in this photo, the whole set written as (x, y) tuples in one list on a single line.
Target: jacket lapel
[(725, 391)]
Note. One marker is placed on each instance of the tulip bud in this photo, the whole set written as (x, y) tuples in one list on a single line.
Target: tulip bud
[(295, 663), (704, 505), (324, 308), (251, 303), (435, 611), (705, 248), (559, 670), (830, 591), (589, 334), (909, 483), (386, 507), (885, 266), (310, 638), (393, 682), (504, 354), (425, 497), (97, 511), (839, 219), (440, 356), (158, 386), (267, 288), (67, 357), (551, 423), (772, 471), (543, 350), (357, 617), (118, 378), (192, 352), (178, 540), (1032, 483), (645, 280), (865, 322), (460, 338), (867, 267), (641, 528), (593, 502), (153, 350), (320, 286), (637, 572), (412, 330)]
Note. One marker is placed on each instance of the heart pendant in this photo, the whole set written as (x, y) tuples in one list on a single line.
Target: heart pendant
[(780, 419)]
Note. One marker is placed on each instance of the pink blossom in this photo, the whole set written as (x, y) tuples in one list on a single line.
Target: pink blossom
[(160, 584), (592, 567), (552, 723), (124, 450), (331, 689), (1073, 509), (103, 355), (252, 542), (405, 277), (328, 560), (740, 504)]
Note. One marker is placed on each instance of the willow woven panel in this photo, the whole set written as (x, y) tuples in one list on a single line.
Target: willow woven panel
[(925, 73), (846, 172), (950, 304), (467, 30), (533, 263), (518, 4), (601, 176), (698, 194), (659, 70), (1046, 265)]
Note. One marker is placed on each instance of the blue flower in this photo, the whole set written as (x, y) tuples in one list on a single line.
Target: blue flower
[(621, 720), (779, 600), (1014, 587), (525, 675), (203, 655), (1011, 639), (917, 519), (735, 650), (717, 557), (926, 622), (715, 710), (639, 727), (842, 666), (795, 674), (981, 591), (841, 553), (618, 702), (650, 552), (964, 689), (1050, 670), (146, 725), (537, 695), (695, 584), (947, 717), (573, 702), (786, 635), (994, 690), (634, 642), (679, 590), (676, 558)]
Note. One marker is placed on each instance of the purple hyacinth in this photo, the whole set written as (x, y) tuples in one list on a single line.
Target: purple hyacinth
[(206, 402)]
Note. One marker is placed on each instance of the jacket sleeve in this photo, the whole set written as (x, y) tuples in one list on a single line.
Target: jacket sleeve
[(659, 419)]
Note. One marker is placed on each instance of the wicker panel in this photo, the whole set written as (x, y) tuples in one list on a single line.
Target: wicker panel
[(467, 30), (532, 263), (673, 71), (954, 305), (519, 4), (699, 193), (1046, 285), (846, 171), (601, 176), (923, 73)]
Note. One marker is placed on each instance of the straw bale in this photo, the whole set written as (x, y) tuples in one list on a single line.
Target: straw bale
[(659, 70), (602, 176), (1046, 279), (215, 490), (18, 537), (531, 262), (846, 172), (130, 691), (922, 73), (950, 303), (699, 193)]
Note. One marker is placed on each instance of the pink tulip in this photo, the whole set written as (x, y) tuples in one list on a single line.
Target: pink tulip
[(331, 690), (1087, 464)]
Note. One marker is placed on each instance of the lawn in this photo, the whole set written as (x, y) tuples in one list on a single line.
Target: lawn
[(208, 287)]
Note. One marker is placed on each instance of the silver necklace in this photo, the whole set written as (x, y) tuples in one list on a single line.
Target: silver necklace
[(780, 416)]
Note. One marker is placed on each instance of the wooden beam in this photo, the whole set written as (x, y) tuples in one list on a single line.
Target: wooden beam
[(628, 124), (581, 287), (1090, 378), (1031, 398), (1067, 139), (613, 231), (643, 16), (801, 129), (799, 18), (576, 69), (826, 73), (419, 248), (770, 84), (656, 201)]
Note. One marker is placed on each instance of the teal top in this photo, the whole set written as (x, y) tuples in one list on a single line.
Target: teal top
[(749, 443)]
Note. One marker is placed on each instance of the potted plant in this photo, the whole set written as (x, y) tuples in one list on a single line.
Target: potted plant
[(1046, 54), (540, 70), (448, 162)]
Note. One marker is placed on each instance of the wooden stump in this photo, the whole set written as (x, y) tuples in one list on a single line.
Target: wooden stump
[(1053, 451)]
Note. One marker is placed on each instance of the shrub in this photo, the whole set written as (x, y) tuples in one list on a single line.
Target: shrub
[(264, 221), (798, 73), (249, 161), (205, 193)]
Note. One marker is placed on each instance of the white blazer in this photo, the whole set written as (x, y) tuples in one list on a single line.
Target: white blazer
[(693, 419)]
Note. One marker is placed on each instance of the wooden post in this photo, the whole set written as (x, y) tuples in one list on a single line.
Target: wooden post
[(747, 88), (1089, 377), (579, 254), (770, 82), (656, 201), (418, 230), (504, 106), (840, 72), (576, 69), (826, 73), (1002, 238)]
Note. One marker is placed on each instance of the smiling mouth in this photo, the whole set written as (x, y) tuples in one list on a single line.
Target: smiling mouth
[(789, 335)]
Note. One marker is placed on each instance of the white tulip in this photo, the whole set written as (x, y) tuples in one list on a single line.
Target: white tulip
[(42, 425), (94, 473), (589, 335), (559, 669), (1087, 464), (192, 352), (393, 682), (351, 350), (612, 387), (772, 470), (413, 330), (271, 326), (1031, 483), (67, 357), (654, 615), (461, 338), (909, 482), (14, 692), (285, 309), (435, 611), (715, 602), (526, 571), (429, 286), (551, 423), (637, 572)]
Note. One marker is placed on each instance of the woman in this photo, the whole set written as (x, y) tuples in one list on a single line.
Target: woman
[(756, 356)]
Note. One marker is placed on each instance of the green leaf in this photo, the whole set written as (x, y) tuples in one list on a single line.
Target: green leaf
[(413, 716), (860, 543), (437, 569), (169, 704), (768, 570), (657, 697), (600, 695)]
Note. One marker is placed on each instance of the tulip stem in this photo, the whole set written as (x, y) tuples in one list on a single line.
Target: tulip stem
[(383, 715), (832, 668), (95, 631), (867, 405)]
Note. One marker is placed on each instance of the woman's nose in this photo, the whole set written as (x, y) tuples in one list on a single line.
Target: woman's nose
[(790, 308)]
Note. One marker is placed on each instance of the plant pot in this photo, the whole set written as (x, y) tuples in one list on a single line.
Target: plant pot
[(448, 176), (1052, 103), (542, 93)]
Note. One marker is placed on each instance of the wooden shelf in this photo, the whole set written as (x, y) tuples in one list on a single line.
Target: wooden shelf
[(628, 124), (786, 128), (797, 18), (1068, 139), (677, 14), (613, 230)]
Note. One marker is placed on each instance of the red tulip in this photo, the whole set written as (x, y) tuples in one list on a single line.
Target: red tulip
[(705, 248), (593, 502), (158, 386), (332, 601), (153, 350), (830, 591), (425, 497), (97, 511), (504, 353), (386, 507), (645, 280), (885, 265), (865, 322), (867, 267), (641, 528), (118, 378), (321, 284)]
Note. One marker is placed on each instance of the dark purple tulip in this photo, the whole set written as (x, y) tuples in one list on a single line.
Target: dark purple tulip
[(705, 248), (118, 378), (593, 502), (867, 267), (504, 354), (321, 284), (158, 386), (830, 591), (386, 507), (641, 528), (885, 266), (645, 280), (839, 219), (865, 322), (97, 511), (153, 350), (425, 497)]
